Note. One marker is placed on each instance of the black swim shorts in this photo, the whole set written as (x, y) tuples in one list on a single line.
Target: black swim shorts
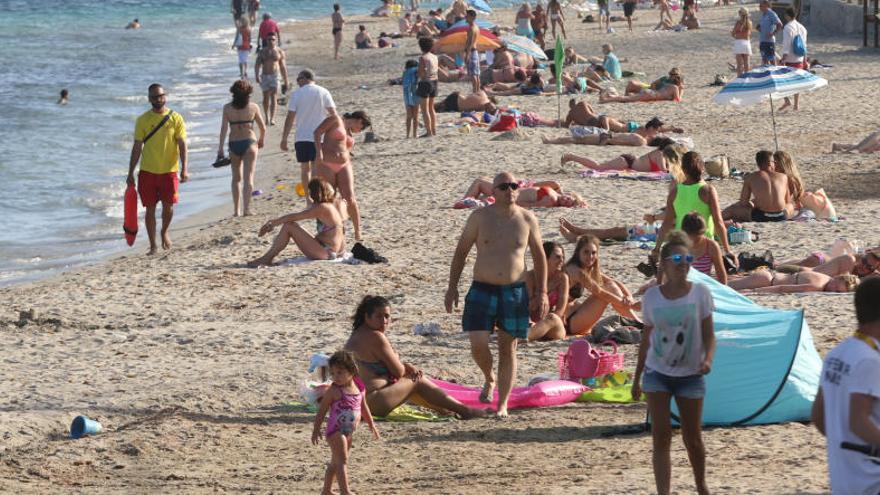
[(305, 151), (628, 9), (759, 215), (426, 89)]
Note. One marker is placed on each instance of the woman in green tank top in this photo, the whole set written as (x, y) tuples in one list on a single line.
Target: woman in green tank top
[(693, 195)]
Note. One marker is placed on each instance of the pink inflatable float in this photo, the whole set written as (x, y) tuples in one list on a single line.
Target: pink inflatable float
[(544, 394)]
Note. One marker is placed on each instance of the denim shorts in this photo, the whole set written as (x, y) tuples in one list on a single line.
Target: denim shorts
[(686, 387)]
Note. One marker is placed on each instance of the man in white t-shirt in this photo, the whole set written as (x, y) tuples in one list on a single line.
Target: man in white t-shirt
[(309, 106), (791, 30), (847, 406)]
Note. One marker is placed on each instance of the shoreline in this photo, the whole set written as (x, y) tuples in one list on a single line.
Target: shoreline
[(191, 361)]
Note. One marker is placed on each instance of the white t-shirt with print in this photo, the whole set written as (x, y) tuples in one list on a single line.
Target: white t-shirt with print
[(310, 102), (676, 345), (852, 367)]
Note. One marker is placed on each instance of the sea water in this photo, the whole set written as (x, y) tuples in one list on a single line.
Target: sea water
[(63, 168)]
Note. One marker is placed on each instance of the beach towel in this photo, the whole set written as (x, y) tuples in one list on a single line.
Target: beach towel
[(625, 174), (346, 258)]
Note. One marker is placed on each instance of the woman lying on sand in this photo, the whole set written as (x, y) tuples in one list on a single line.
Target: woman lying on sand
[(769, 281), (540, 194), (870, 144), (860, 265), (329, 242), (667, 88), (585, 275), (552, 326), (389, 381), (665, 158), (533, 87), (598, 136)]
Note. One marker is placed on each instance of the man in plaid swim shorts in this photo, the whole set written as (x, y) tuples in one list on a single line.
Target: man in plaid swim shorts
[(498, 296)]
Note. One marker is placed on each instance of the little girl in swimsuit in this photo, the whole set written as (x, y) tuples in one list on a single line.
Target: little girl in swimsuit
[(345, 402)]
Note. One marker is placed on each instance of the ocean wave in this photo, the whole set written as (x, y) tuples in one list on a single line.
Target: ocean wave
[(132, 99)]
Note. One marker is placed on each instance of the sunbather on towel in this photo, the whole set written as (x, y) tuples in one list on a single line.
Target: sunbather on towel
[(582, 113), (860, 265), (871, 144), (594, 135), (667, 88), (540, 194), (770, 281), (665, 158)]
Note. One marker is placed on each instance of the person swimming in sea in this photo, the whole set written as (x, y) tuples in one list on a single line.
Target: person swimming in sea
[(63, 97)]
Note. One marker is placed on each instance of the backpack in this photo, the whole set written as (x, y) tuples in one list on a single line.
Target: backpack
[(799, 46)]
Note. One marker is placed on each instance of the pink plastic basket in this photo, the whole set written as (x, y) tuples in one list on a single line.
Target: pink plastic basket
[(585, 361)]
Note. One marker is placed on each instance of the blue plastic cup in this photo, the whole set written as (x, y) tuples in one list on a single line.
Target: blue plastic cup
[(82, 426)]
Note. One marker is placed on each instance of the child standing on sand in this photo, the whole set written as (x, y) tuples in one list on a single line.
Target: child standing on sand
[(410, 100), (346, 402), (676, 351)]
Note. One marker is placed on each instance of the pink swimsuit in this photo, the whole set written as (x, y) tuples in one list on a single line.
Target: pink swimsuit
[(338, 135), (345, 412)]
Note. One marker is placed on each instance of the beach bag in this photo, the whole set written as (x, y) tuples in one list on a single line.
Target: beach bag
[(749, 262), (582, 360), (718, 166), (739, 235), (504, 123), (818, 203), (798, 46)]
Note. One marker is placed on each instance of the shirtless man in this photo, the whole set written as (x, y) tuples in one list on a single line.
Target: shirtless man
[(498, 295), (764, 194), (271, 59), (471, 55), (473, 102), (338, 23)]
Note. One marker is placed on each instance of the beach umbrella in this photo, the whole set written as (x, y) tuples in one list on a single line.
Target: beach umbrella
[(521, 44), (454, 42), (481, 5), (768, 82)]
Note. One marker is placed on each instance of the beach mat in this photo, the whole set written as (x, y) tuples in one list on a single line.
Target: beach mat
[(621, 174)]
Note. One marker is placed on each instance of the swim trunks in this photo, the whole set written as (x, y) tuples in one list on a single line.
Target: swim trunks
[(628, 9), (243, 56), (632, 126), (336, 30), (305, 151), (505, 306), (473, 64), (768, 51), (759, 215), (426, 89), (643, 231), (796, 65), (579, 131), (153, 188), (269, 82)]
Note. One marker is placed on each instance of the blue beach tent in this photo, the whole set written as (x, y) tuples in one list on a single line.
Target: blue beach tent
[(766, 368)]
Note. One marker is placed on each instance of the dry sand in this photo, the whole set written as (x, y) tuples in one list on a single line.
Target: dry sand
[(186, 357)]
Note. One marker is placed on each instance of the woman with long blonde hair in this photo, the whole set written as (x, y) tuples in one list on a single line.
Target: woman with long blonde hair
[(785, 164), (585, 275), (742, 42)]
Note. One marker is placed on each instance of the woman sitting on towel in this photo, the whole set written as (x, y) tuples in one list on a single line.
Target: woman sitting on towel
[(585, 275), (327, 244), (665, 158), (667, 88), (552, 326), (770, 281), (391, 382), (540, 194)]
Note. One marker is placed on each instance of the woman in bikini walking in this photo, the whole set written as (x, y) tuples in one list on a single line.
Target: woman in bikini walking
[(333, 159), (238, 120)]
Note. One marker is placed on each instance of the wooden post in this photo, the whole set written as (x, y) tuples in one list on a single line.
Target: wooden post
[(876, 23), (865, 24)]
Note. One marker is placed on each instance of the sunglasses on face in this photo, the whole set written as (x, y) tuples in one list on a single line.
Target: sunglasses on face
[(513, 186), (679, 258)]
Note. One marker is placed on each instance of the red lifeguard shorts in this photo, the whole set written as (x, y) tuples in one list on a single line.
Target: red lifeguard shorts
[(157, 187)]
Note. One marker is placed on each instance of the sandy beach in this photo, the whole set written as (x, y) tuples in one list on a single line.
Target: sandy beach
[(187, 358)]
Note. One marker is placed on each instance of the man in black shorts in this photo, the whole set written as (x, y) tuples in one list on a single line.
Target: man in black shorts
[(764, 194), (629, 6)]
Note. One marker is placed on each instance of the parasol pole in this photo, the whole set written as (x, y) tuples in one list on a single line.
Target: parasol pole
[(773, 117)]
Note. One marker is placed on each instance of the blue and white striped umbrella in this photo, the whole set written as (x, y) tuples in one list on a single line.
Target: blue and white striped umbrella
[(481, 5), (522, 44), (767, 82), (479, 22)]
